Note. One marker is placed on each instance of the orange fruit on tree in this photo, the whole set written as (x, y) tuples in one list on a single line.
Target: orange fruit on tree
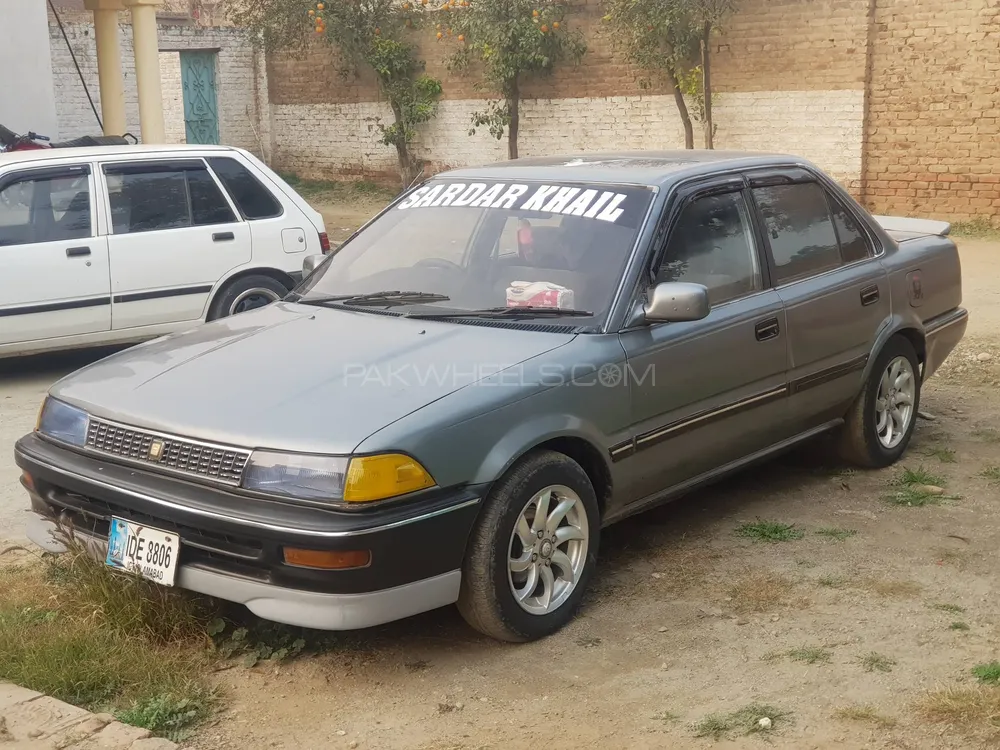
[(378, 31), (423, 2), (439, 35), (312, 13), (461, 37), (555, 24), (535, 13), (320, 6), (545, 28)]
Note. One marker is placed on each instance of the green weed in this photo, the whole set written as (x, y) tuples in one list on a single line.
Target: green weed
[(769, 531)]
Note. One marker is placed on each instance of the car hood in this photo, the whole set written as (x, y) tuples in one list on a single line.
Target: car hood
[(296, 377)]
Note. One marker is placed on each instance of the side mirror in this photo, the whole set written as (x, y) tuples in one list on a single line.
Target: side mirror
[(310, 262), (677, 302)]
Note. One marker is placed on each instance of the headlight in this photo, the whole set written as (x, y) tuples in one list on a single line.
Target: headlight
[(63, 422), (334, 479)]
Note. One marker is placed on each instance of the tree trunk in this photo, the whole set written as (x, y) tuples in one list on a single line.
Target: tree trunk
[(706, 67), (402, 151), (513, 108), (682, 110)]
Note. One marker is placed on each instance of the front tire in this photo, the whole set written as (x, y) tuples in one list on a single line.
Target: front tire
[(244, 294), (881, 421), (532, 551)]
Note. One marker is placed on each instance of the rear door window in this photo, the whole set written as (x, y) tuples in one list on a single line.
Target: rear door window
[(153, 197), (799, 230)]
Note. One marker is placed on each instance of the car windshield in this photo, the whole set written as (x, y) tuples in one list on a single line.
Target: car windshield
[(488, 246)]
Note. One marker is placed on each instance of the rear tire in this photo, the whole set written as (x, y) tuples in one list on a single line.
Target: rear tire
[(881, 421), (244, 294), (538, 532)]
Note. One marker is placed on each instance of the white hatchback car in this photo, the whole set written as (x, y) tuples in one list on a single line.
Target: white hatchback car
[(113, 245)]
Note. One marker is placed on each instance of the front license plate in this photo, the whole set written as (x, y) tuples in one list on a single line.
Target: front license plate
[(150, 553)]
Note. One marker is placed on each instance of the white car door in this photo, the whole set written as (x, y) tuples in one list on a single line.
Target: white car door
[(174, 234), (54, 278)]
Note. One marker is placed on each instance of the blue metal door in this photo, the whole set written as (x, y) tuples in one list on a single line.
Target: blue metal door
[(201, 112)]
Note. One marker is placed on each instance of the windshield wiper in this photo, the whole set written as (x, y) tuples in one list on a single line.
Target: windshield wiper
[(507, 312), (386, 298)]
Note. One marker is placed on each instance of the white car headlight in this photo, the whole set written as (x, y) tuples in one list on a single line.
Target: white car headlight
[(62, 422), (296, 475), (339, 480)]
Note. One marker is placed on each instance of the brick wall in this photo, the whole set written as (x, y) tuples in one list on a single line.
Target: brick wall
[(790, 76), (240, 78), (933, 132)]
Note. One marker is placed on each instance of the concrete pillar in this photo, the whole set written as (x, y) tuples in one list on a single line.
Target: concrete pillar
[(109, 64), (147, 69)]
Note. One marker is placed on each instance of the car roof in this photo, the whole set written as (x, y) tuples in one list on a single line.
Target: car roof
[(658, 168), (90, 152)]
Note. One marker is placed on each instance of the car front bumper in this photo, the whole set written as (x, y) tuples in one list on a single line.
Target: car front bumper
[(231, 543)]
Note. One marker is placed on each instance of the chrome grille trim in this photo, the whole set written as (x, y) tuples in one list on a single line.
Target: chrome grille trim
[(193, 458)]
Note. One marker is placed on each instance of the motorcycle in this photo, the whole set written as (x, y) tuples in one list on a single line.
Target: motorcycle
[(11, 141)]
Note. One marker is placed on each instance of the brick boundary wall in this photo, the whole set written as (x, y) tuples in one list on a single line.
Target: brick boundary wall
[(897, 99)]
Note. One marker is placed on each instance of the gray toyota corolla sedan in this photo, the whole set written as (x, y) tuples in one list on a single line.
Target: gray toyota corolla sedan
[(451, 406)]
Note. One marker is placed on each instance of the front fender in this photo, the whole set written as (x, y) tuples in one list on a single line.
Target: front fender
[(523, 437)]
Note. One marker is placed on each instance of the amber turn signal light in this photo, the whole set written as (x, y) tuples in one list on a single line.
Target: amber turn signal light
[(28, 481), (327, 559)]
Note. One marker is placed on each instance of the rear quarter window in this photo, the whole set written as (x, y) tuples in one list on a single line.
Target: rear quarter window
[(251, 197)]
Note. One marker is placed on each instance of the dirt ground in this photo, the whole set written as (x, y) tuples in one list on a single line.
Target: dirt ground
[(842, 638)]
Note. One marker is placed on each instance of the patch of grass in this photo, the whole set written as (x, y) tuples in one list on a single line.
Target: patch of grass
[(769, 531), (166, 715), (992, 473), (944, 455), (957, 625), (978, 229), (987, 673), (741, 722), (810, 655), (913, 488), (832, 582), (873, 662), (912, 497), (967, 709), (952, 608), (759, 592), (839, 534), (72, 628), (342, 189), (987, 434), (909, 477), (864, 713)]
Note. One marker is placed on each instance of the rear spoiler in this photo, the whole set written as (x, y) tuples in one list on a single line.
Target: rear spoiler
[(913, 226)]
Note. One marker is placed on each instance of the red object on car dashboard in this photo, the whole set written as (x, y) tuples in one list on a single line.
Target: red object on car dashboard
[(324, 242)]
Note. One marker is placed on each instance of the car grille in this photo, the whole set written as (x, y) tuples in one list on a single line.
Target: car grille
[(214, 462)]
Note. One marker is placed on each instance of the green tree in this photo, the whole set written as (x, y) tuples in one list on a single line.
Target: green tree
[(710, 15), (671, 40), (369, 35), (512, 41), (661, 38)]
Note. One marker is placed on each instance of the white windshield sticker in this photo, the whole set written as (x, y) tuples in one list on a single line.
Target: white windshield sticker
[(603, 205)]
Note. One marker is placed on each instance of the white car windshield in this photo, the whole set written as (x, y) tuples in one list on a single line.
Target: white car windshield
[(489, 246)]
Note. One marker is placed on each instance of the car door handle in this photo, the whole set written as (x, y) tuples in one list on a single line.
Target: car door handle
[(76, 252), (223, 236), (768, 329), (869, 295)]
